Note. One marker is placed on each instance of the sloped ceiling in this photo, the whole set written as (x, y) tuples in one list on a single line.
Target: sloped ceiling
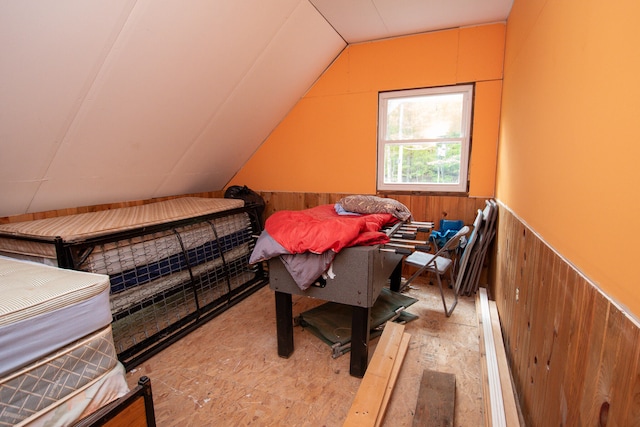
[(113, 100), (365, 20)]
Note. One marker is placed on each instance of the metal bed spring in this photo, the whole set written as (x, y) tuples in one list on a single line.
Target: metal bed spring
[(168, 279)]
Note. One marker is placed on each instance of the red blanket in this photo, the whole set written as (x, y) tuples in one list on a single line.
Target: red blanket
[(321, 229)]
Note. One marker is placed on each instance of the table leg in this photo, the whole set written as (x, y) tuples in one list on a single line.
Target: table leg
[(360, 325), (284, 324), (396, 278)]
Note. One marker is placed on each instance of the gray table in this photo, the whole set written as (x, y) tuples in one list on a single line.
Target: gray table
[(360, 274)]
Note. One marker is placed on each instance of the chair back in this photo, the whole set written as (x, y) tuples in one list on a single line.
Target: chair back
[(454, 241), (448, 228)]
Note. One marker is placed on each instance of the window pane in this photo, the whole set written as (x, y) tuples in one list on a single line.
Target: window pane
[(425, 117), (424, 139), (425, 163)]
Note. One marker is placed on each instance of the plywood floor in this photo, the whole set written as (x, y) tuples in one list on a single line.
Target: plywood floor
[(228, 373)]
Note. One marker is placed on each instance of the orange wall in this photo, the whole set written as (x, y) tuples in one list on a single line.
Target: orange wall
[(569, 151), (327, 143)]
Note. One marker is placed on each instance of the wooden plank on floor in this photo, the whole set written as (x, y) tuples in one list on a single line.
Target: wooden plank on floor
[(436, 400), (402, 352), (370, 395)]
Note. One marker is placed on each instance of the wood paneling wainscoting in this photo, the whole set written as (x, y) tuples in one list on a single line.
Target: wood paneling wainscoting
[(574, 354), (423, 208)]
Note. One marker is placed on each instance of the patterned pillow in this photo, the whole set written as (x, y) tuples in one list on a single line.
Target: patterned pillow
[(375, 204)]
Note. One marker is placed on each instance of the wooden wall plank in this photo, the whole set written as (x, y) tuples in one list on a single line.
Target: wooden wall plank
[(536, 292), (617, 371), (574, 355), (625, 380), (557, 353), (524, 277), (561, 362), (596, 345), (418, 207), (582, 315)]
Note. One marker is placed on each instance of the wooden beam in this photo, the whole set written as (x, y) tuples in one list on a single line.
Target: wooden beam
[(402, 352), (368, 401)]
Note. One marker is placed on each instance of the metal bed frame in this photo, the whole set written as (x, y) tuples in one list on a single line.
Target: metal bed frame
[(71, 255)]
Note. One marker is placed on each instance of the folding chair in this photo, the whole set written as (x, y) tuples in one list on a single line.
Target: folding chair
[(484, 227), (465, 266), (438, 264), (448, 228)]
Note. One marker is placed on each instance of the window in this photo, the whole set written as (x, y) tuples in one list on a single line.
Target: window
[(424, 139)]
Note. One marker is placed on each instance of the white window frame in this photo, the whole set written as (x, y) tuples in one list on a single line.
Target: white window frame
[(465, 139)]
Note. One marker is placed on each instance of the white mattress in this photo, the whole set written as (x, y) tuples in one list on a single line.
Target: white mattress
[(116, 257), (44, 308), (79, 227), (29, 393), (85, 401)]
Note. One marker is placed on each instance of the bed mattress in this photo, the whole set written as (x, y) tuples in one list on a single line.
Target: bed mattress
[(42, 390), (79, 227), (170, 264), (138, 260), (52, 307), (141, 312)]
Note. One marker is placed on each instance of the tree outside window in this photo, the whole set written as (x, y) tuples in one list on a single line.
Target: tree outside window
[(424, 139)]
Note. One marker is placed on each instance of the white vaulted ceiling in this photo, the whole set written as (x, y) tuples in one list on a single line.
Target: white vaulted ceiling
[(112, 100), (365, 20)]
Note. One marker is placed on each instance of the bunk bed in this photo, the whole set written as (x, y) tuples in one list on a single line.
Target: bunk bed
[(172, 265), (59, 362)]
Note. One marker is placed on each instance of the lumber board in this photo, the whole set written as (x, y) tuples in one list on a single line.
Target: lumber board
[(436, 400), (402, 352), (370, 395)]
